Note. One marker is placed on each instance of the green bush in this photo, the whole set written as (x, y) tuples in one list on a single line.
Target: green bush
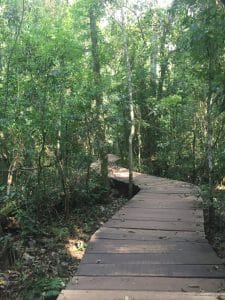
[(44, 289)]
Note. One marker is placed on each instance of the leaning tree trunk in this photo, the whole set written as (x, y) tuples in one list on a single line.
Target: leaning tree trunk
[(131, 104), (98, 95)]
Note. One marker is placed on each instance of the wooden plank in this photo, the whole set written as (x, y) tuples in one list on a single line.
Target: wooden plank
[(165, 199), (182, 271), (176, 212), (185, 257), (132, 246), (148, 235), (160, 203), (166, 190), (160, 215), (163, 196), (139, 295), (155, 225), (147, 284)]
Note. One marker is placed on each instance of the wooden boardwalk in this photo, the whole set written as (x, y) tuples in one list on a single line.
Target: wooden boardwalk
[(153, 248)]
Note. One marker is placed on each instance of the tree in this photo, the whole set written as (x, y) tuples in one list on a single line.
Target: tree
[(130, 97), (98, 92)]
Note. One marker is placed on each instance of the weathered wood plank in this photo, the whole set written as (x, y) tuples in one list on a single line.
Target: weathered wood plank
[(148, 235), (173, 212), (155, 225), (143, 270), (139, 295), (156, 284), (162, 203), (185, 257), (132, 246), (159, 215), (166, 197), (166, 190)]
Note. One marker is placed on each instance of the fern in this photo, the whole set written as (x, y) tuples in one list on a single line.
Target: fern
[(44, 289), (50, 295)]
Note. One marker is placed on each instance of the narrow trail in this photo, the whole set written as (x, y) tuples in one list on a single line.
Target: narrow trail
[(153, 248)]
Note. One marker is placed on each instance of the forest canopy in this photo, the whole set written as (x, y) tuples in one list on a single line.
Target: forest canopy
[(84, 78)]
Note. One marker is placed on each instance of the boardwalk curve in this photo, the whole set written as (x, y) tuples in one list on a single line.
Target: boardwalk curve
[(153, 248)]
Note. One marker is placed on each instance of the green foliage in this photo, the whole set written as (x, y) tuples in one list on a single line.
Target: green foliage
[(170, 101), (60, 232), (54, 125), (29, 228), (81, 246), (44, 289), (8, 208)]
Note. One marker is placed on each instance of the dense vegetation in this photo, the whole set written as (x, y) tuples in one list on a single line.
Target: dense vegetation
[(83, 78)]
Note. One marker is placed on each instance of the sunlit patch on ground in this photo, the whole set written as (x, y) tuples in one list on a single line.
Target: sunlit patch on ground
[(76, 248), (220, 187)]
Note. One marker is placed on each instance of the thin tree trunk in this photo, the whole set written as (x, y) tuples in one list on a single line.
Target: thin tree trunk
[(9, 60), (209, 117), (163, 56), (163, 66), (63, 177), (89, 145), (194, 153), (131, 104), (210, 134), (139, 138), (11, 172), (40, 167), (61, 169), (153, 61), (98, 95), (209, 141)]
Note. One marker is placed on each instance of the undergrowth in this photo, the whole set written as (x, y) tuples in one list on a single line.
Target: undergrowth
[(215, 229), (35, 260)]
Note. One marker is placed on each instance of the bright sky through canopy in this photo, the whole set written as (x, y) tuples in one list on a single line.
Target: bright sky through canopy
[(164, 3), (156, 3)]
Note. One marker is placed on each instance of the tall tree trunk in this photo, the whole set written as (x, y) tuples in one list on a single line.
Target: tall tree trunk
[(89, 150), (194, 152), (154, 56), (163, 63), (98, 95), (131, 104), (10, 56), (209, 141), (153, 61), (62, 170), (139, 138), (210, 132)]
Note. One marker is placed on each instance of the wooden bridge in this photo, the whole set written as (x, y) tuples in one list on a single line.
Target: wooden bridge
[(153, 248)]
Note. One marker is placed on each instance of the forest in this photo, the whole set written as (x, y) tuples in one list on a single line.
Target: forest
[(80, 79)]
